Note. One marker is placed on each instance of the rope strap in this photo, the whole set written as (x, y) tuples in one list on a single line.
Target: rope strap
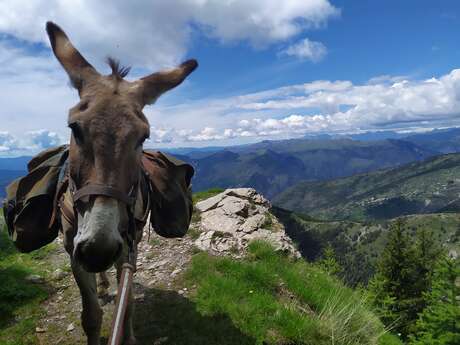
[(96, 189)]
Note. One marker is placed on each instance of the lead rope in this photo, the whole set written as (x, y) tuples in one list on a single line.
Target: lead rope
[(123, 293), (121, 305), (126, 280)]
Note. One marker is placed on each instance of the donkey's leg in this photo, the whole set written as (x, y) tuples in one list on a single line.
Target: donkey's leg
[(128, 337), (103, 285), (91, 316)]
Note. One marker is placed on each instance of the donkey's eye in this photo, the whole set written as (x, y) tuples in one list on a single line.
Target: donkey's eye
[(141, 142), (76, 132)]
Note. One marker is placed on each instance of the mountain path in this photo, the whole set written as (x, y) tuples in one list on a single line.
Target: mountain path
[(160, 266)]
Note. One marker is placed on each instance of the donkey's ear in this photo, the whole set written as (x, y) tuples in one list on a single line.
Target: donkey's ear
[(155, 84), (78, 69)]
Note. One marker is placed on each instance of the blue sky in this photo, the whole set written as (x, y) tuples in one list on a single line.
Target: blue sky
[(416, 38), (268, 69)]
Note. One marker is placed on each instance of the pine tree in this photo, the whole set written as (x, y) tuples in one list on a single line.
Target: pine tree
[(439, 323), (392, 287), (428, 252), (404, 276), (328, 261)]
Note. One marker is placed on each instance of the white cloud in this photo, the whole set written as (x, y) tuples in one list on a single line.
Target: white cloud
[(384, 102), (144, 34), (7, 142), (306, 49), (34, 95), (28, 142), (43, 138), (156, 33), (35, 92)]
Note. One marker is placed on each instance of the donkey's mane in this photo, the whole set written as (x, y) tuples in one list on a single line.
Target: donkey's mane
[(118, 70)]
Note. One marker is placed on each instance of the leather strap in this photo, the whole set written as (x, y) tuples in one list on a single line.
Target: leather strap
[(96, 189)]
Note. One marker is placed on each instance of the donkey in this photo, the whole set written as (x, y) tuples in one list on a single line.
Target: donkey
[(108, 132)]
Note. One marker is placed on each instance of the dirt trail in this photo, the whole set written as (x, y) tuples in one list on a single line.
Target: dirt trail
[(158, 279)]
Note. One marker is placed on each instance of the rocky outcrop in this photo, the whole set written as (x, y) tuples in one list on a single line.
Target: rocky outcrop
[(233, 218)]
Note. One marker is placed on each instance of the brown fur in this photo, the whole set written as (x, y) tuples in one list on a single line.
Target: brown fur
[(108, 130)]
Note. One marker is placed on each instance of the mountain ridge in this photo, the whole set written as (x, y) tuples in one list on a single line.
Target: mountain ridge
[(385, 193)]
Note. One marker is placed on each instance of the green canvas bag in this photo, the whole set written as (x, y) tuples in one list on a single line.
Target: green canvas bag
[(30, 203), (171, 203), (29, 208)]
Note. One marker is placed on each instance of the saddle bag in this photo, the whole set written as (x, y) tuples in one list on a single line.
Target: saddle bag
[(171, 203), (30, 203)]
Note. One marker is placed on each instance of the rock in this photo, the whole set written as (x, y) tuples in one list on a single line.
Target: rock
[(217, 219), (34, 278), (176, 271), (209, 203), (158, 264), (234, 206), (161, 340), (70, 327), (40, 330), (203, 242), (59, 274), (139, 297), (253, 223), (231, 219), (249, 193)]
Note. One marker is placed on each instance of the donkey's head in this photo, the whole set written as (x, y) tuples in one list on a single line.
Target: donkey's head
[(108, 130)]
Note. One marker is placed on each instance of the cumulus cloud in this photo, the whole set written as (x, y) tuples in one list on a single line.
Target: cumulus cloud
[(157, 33), (28, 142), (306, 49), (34, 94), (145, 34), (35, 91), (385, 102), (43, 139), (7, 142)]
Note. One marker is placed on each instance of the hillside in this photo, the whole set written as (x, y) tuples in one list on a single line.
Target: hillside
[(431, 186), (357, 245), (256, 295), (273, 166)]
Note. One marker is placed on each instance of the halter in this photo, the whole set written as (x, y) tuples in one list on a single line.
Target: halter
[(93, 189)]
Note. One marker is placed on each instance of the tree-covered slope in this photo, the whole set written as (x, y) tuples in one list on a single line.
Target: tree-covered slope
[(430, 186), (357, 245)]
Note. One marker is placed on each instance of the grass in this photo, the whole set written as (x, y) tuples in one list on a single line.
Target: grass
[(19, 298), (199, 196), (194, 232), (268, 223), (274, 300)]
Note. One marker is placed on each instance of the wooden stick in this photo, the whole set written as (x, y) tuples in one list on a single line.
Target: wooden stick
[(124, 288)]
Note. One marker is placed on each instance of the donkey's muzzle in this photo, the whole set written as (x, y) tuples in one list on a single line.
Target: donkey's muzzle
[(97, 257), (98, 243)]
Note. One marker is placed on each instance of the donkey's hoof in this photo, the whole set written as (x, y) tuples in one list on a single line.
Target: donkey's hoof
[(130, 341), (94, 341)]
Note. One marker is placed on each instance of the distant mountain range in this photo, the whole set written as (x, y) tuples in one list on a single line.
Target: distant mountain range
[(273, 166), (431, 186)]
